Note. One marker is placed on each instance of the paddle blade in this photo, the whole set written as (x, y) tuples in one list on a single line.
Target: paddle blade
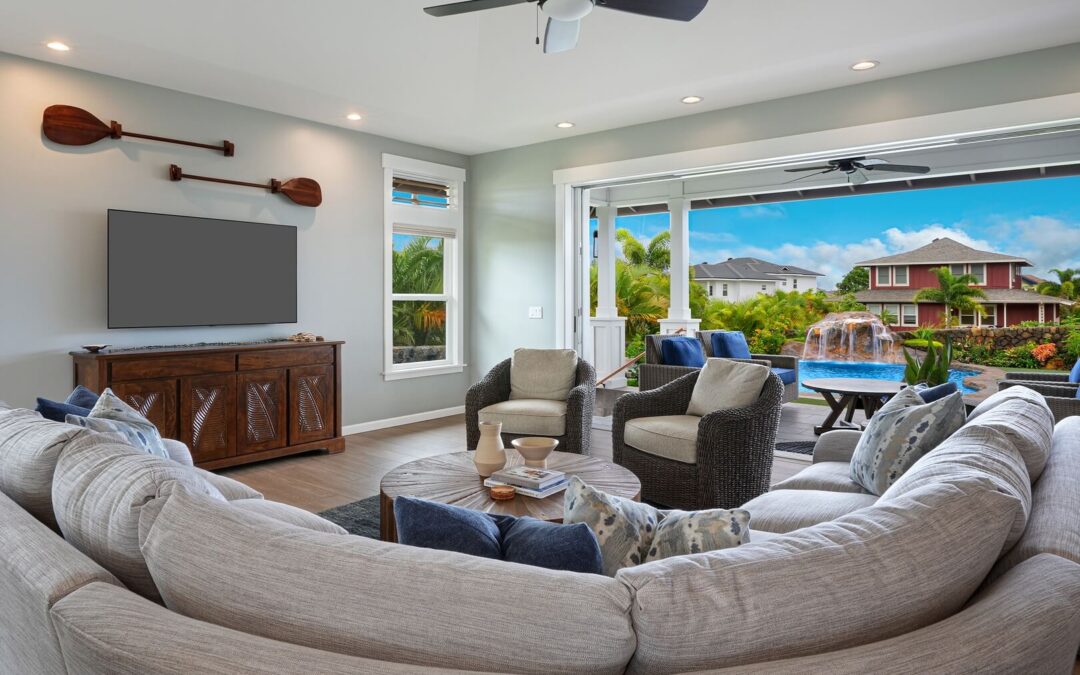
[(303, 191), (68, 125)]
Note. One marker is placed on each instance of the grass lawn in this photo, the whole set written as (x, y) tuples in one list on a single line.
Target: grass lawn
[(811, 401)]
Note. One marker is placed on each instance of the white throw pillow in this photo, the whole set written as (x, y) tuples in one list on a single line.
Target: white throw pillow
[(725, 384), (547, 374)]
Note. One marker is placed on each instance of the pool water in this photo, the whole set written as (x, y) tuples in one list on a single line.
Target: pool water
[(811, 370)]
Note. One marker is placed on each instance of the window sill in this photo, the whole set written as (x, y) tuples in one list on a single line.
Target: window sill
[(423, 372)]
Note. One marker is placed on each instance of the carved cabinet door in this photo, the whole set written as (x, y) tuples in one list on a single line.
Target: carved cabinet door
[(208, 416), (263, 402), (155, 400), (311, 403)]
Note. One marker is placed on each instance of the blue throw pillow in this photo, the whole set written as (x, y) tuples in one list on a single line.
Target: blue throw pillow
[(82, 397), (58, 412), (1074, 375), (527, 541), (730, 344), (931, 394), (682, 351)]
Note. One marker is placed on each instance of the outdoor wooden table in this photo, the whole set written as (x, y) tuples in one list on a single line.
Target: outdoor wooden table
[(851, 391)]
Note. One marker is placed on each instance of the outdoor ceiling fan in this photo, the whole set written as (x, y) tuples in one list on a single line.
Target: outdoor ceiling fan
[(856, 168), (564, 16)]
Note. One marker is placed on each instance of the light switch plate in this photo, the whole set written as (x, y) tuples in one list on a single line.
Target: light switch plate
[(536, 312)]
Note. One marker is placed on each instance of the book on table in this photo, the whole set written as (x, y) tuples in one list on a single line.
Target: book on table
[(529, 477), (537, 494)]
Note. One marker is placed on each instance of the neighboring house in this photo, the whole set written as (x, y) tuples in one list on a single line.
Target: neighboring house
[(895, 279), (738, 279), (1030, 282)]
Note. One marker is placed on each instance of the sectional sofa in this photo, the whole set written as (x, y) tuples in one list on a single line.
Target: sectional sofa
[(118, 562)]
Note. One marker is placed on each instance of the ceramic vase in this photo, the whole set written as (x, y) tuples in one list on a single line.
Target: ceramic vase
[(490, 456)]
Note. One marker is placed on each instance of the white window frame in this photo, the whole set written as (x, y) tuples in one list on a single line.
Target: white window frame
[(960, 318), (907, 275), (874, 308), (953, 266), (971, 271), (888, 275), (725, 291), (448, 223), (795, 283), (990, 318), (903, 314), (889, 307)]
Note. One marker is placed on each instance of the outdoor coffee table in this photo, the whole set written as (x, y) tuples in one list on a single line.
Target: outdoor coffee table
[(452, 479), (851, 391)]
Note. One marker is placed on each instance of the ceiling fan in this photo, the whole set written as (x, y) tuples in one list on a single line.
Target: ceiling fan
[(564, 16), (856, 168)]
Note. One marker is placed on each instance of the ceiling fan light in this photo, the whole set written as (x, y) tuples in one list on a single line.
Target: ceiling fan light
[(566, 10)]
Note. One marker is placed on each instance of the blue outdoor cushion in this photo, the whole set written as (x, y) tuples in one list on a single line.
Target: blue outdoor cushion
[(786, 375), (527, 541), (1074, 375), (682, 351), (931, 394), (58, 412), (82, 397), (730, 344)]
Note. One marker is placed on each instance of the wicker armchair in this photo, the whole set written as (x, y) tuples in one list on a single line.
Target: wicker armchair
[(1061, 397), (495, 388), (654, 373), (1044, 377), (734, 453)]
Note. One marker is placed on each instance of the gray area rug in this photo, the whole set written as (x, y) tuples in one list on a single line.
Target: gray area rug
[(359, 518)]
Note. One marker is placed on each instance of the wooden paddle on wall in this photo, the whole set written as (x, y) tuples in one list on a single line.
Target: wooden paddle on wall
[(303, 191), (68, 125)]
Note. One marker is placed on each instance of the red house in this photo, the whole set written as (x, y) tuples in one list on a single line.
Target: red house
[(895, 279)]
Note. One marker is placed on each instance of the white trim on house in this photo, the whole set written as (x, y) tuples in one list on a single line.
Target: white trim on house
[(375, 425)]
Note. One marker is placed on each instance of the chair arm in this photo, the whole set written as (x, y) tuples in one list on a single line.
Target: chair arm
[(671, 399), (494, 388), (836, 446), (1039, 377), (1060, 389), (652, 375), (1063, 407), (579, 409), (779, 360)]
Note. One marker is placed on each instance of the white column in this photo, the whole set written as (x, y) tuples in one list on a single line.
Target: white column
[(608, 328), (679, 307)]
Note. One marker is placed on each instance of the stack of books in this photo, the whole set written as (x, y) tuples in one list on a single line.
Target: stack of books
[(538, 483)]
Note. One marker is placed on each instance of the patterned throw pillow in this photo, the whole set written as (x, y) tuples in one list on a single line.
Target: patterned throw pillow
[(631, 533), (900, 433), (111, 414)]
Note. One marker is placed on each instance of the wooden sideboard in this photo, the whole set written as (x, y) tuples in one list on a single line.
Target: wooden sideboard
[(230, 404)]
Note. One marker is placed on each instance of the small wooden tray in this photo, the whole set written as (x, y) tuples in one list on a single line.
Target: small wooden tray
[(501, 493)]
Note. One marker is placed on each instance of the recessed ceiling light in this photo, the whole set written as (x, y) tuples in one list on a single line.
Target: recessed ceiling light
[(355, 117), (692, 99), (565, 125), (58, 46), (864, 65)]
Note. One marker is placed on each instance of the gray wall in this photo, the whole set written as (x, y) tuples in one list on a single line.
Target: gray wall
[(53, 202), (512, 227)]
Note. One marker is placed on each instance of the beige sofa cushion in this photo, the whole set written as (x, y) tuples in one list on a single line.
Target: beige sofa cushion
[(29, 448), (725, 384), (830, 476), (786, 510), (547, 374), (838, 584), (362, 597), (668, 436), (229, 488), (974, 452), (1023, 416), (288, 514), (539, 417)]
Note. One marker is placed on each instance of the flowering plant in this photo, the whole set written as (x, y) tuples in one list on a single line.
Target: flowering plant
[(1044, 353)]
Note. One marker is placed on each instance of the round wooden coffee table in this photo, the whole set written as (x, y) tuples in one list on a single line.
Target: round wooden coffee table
[(452, 479)]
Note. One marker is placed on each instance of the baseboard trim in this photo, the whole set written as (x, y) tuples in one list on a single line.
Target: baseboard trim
[(375, 425)]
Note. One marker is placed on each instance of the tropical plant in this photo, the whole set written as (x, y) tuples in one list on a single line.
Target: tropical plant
[(418, 269), (658, 252), (636, 298), (848, 303), (633, 252), (1072, 343), (955, 292), (858, 279), (1067, 286), (888, 318), (1044, 352), (933, 369)]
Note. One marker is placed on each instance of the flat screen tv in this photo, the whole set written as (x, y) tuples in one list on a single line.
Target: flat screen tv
[(167, 271)]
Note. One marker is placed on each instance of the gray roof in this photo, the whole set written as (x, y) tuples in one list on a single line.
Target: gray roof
[(1011, 296), (749, 268), (943, 251)]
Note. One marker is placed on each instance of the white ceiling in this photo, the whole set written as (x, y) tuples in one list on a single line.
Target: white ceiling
[(476, 83)]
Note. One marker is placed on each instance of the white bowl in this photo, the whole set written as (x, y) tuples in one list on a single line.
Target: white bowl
[(535, 449)]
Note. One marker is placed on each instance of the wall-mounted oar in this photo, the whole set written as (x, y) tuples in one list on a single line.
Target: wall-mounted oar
[(303, 191), (68, 125)]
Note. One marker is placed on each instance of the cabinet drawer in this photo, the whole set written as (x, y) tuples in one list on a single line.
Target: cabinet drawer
[(284, 358), (172, 366)]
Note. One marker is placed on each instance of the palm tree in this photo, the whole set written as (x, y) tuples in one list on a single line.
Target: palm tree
[(632, 250), (418, 269), (1064, 287), (656, 256), (636, 297), (955, 292)]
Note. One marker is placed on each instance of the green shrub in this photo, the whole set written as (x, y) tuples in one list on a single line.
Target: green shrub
[(1072, 344), (919, 343)]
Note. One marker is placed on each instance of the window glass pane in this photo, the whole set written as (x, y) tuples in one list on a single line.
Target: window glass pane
[(979, 272), (725, 290), (957, 270), (421, 193), (891, 314), (990, 317), (883, 276), (419, 331), (911, 315), (900, 275), (418, 264), (967, 318), (794, 283), (874, 308)]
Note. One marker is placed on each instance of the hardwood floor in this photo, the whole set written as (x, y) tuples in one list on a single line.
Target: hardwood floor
[(317, 481)]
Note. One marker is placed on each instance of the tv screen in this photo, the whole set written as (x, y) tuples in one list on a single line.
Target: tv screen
[(182, 271)]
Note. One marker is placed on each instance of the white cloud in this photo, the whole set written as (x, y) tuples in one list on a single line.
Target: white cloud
[(1047, 242), (763, 211), (900, 240)]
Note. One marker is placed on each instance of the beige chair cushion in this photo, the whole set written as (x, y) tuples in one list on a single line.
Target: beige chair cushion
[(839, 584), (29, 448), (787, 510), (362, 597), (669, 436), (1023, 416), (725, 384), (229, 488), (537, 417), (547, 374), (288, 514), (829, 476)]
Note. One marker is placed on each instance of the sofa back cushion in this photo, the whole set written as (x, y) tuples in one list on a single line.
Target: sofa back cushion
[(729, 344), (878, 572), (29, 448), (362, 597), (547, 374), (680, 350), (725, 384), (1023, 416)]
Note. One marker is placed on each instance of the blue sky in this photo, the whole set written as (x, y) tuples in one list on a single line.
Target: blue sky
[(1038, 219)]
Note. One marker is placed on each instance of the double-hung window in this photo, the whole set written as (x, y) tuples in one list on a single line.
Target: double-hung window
[(423, 282), (978, 270), (900, 275), (883, 278), (967, 317), (724, 290), (910, 315), (989, 317)]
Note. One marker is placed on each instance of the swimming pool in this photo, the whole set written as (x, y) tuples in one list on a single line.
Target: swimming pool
[(810, 370)]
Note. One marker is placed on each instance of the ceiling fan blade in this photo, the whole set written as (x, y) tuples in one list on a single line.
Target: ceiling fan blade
[(470, 6), (811, 175), (811, 168), (560, 36), (678, 10), (898, 168)]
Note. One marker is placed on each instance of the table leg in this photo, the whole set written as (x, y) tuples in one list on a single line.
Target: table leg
[(837, 408), (387, 526)]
